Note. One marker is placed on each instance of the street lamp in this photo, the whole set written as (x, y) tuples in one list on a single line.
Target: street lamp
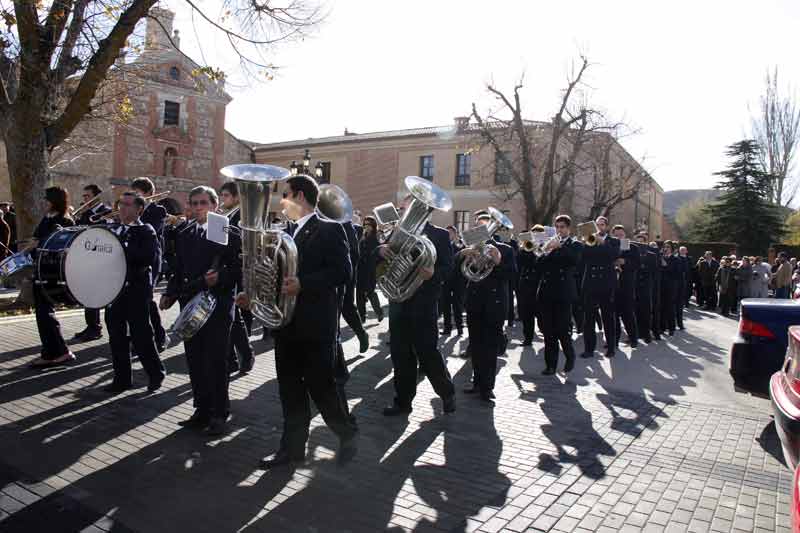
[(318, 170), (305, 167), (306, 160)]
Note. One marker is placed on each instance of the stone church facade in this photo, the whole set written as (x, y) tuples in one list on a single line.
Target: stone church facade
[(174, 130)]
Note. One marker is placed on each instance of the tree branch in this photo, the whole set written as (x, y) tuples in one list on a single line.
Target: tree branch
[(67, 64)]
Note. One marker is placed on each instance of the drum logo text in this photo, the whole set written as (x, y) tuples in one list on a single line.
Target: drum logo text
[(98, 246)]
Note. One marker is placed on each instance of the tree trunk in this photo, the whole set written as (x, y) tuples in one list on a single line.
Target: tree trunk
[(27, 157)]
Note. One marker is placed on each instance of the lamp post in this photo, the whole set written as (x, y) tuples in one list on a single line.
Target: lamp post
[(305, 167)]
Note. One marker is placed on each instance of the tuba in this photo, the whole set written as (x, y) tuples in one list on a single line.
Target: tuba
[(478, 267), (409, 250), (268, 256), (334, 204)]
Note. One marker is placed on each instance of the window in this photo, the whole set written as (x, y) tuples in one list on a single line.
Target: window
[(326, 172), (463, 169), (170, 157), (426, 167), (174, 73), (502, 168), (461, 221), (172, 113)]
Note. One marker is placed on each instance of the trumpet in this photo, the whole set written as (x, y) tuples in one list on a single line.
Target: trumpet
[(115, 212), (91, 204), (588, 233)]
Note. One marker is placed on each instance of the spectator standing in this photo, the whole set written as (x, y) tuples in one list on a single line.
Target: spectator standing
[(744, 279), (782, 277), (761, 275), (724, 279), (707, 268)]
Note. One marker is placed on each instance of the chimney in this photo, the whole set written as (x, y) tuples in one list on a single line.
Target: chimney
[(156, 37), (462, 123)]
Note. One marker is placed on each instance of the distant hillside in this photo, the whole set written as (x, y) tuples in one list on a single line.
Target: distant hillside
[(673, 200)]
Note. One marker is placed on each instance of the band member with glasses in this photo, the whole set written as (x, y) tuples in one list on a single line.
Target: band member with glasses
[(366, 270), (202, 265), (487, 308), (452, 300), (89, 217), (154, 215), (599, 284), (131, 309), (54, 349), (557, 291), (413, 330), (241, 351), (625, 296), (305, 348)]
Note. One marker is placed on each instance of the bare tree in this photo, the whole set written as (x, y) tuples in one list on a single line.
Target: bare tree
[(55, 57), (538, 161), (615, 176), (776, 128)]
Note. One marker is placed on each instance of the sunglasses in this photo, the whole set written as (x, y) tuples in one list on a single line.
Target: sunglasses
[(200, 202)]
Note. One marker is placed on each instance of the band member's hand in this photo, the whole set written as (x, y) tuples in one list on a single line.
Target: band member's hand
[(242, 300), (166, 302), (494, 253), (620, 261), (469, 251), (212, 277), (291, 286), (426, 273), (553, 244), (384, 251)]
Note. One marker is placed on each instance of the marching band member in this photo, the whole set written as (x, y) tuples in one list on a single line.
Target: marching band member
[(205, 265), (625, 295), (599, 284), (487, 308), (348, 305), (684, 271), (131, 309), (670, 284), (154, 215), (413, 331), (526, 291), (240, 353), (656, 320), (305, 349), (89, 217), (366, 270), (645, 279), (557, 290), (54, 349), (452, 301)]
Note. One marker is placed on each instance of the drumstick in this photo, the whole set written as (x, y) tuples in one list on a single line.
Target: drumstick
[(7, 248)]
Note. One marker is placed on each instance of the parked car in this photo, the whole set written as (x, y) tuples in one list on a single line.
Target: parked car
[(760, 346), (784, 394)]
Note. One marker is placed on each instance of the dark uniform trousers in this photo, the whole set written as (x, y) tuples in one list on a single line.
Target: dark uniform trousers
[(413, 336), (130, 312), (349, 311), (669, 293), (307, 367), (53, 345), (526, 307), (554, 319), (240, 338), (92, 317), (644, 309), (374, 300), (452, 302), (624, 303), (604, 301), (207, 358), (485, 343)]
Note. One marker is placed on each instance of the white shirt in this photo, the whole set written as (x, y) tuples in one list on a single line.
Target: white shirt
[(302, 222)]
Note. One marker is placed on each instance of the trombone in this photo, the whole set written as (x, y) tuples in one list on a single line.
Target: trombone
[(111, 214), (91, 204)]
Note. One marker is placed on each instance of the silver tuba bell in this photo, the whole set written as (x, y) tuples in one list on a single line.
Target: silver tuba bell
[(334, 204), (268, 256), (409, 250), (478, 267)]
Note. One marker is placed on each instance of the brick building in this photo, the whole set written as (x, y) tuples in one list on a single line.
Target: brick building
[(371, 168), (175, 128)]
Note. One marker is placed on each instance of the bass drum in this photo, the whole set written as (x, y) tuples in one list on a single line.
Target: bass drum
[(82, 265)]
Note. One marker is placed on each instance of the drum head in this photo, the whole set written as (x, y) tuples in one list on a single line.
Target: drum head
[(95, 267)]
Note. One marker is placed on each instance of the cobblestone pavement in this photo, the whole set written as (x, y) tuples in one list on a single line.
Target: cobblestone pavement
[(581, 455)]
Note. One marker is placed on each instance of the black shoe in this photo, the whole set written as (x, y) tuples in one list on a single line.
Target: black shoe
[(487, 399), (396, 410), (197, 420), (569, 365), (79, 335), (464, 355), (233, 366), (460, 331), (216, 427), (610, 353), (671, 332), (380, 316), (247, 365), (348, 449), (681, 328), (281, 458), (363, 342), (472, 389), (161, 346), (634, 344), (155, 385), (548, 371), (116, 388), (648, 340), (657, 337), (447, 332), (587, 355), (449, 404), (92, 334), (527, 342)]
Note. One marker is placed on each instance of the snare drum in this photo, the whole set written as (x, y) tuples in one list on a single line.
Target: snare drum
[(15, 268), (82, 265), (192, 317)]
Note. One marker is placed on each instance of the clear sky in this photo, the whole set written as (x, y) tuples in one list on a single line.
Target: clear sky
[(682, 72)]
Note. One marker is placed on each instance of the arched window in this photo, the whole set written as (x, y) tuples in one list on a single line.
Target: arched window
[(174, 73), (170, 160)]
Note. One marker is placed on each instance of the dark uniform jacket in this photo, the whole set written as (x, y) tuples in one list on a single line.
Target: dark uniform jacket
[(597, 267), (323, 265), (352, 246), (670, 272), (528, 274), (629, 275), (141, 249), (366, 262), (557, 272), (648, 268), (49, 225), (426, 297), (707, 271), (154, 215), (195, 256), (490, 295)]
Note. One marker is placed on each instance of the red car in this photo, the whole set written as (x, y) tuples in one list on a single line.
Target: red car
[(784, 393)]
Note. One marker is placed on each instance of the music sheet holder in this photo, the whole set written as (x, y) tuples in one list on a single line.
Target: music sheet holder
[(218, 228)]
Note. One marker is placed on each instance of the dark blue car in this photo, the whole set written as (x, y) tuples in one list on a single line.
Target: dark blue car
[(760, 347)]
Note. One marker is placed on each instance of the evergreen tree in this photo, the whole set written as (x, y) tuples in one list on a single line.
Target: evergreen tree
[(743, 213)]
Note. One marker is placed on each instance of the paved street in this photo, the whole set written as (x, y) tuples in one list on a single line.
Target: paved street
[(654, 440)]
